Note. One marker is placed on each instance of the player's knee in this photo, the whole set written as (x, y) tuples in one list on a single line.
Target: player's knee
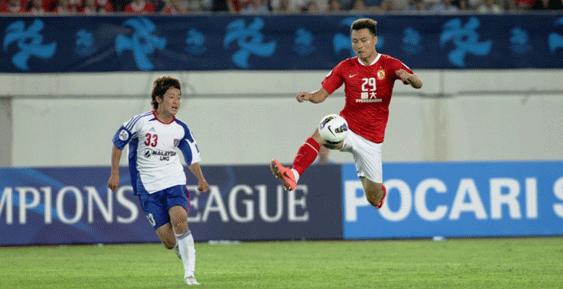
[(178, 220), (180, 225)]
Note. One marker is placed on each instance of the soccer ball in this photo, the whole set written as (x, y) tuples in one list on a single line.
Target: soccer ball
[(333, 128)]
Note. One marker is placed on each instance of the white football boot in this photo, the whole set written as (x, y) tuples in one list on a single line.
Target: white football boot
[(190, 280)]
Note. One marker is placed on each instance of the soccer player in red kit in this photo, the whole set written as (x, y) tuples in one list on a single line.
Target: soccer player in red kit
[(368, 84)]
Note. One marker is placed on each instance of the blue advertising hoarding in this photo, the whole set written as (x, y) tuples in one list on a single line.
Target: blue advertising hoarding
[(74, 206), (248, 203), (314, 42), (477, 199), (66, 206), (482, 199)]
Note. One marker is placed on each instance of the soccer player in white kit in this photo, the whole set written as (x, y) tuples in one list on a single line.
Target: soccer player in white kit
[(368, 82), (157, 176)]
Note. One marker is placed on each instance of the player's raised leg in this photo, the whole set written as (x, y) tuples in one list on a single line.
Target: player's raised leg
[(375, 192), (330, 133), (306, 155)]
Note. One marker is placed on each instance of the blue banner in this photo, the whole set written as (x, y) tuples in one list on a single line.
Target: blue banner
[(458, 200), (482, 199), (312, 42), (74, 206), (68, 206), (248, 203)]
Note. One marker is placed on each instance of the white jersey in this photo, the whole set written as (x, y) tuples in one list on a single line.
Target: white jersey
[(154, 163)]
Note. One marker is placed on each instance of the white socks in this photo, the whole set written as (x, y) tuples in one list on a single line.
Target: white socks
[(296, 175), (187, 251)]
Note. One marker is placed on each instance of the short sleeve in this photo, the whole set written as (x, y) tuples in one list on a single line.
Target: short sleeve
[(188, 146), (400, 65), (121, 137), (333, 80), (126, 132)]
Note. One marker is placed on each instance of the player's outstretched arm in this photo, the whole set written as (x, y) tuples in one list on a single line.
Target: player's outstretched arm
[(113, 182), (411, 79), (314, 97), (202, 184)]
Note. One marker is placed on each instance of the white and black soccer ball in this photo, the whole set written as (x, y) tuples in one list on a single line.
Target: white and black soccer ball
[(333, 128)]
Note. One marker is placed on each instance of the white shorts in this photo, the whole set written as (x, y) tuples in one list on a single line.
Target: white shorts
[(367, 156)]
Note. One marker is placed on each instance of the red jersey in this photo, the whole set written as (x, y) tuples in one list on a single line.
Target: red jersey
[(368, 92)]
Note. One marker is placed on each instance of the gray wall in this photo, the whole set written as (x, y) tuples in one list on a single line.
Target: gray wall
[(6, 129), (251, 117)]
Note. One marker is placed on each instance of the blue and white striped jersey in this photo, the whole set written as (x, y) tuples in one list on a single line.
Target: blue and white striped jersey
[(154, 163)]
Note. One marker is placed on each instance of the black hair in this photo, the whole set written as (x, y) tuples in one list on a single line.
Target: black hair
[(161, 85), (362, 23)]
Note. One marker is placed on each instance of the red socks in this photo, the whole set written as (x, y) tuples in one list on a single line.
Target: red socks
[(306, 155)]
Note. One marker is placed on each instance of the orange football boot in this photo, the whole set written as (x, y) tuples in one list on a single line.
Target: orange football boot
[(285, 175)]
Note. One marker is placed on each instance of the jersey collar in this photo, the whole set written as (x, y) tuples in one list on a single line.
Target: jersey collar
[(373, 62), (156, 117)]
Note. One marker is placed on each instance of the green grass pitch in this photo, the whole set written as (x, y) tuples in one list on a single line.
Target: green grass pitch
[(456, 263)]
